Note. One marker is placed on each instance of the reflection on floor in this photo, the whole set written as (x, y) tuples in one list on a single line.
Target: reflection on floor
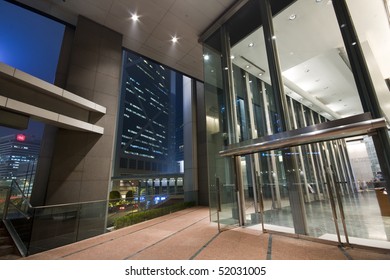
[(363, 220)]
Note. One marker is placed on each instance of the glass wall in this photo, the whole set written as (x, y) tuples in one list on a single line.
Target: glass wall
[(33, 47), (154, 157), (309, 189), (151, 118)]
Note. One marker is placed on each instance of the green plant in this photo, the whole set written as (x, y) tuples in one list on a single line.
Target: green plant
[(137, 217)]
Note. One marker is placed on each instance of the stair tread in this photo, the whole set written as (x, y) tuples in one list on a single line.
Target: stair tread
[(10, 257)]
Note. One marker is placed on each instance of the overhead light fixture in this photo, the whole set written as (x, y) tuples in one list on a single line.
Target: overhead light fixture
[(174, 39), (262, 71), (292, 17), (232, 57), (134, 17), (206, 57), (251, 44)]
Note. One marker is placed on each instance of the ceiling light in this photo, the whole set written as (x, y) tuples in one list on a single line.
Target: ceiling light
[(261, 74), (318, 1), (292, 17), (206, 57), (247, 66), (251, 44), (232, 57), (134, 17), (174, 39)]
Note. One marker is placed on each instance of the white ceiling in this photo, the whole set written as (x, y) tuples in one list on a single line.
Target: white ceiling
[(151, 35), (313, 59)]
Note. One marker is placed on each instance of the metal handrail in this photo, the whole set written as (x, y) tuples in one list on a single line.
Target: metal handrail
[(15, 183), (332, 130)]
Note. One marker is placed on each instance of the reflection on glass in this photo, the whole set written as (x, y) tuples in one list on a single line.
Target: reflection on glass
[(316, 189)]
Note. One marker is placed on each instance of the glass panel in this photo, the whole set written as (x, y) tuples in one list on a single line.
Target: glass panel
[(3, 196), (306, 189), (150, 136), (314, 64), (220, 113), (277, 208)]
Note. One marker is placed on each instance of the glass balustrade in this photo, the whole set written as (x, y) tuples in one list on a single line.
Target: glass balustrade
[(37, 229)]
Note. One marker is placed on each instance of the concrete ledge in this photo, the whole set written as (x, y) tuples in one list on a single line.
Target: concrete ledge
[(49, 116), (42, 87)]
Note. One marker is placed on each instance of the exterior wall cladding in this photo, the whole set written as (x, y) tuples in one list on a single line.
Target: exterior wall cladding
[(81, 165)]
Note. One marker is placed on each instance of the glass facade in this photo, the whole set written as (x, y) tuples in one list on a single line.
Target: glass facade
[(151, 118), (284, 71), (156, 109)]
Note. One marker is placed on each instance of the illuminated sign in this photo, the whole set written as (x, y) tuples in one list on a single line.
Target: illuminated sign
[(21, 137)]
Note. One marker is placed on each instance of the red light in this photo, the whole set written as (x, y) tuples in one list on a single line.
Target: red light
[(21, 137)]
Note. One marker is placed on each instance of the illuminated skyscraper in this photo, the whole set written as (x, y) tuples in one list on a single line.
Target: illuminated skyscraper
[(150, 122), (18, 156)]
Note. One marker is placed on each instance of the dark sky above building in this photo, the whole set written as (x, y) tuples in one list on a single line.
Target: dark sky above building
[(31, 43)]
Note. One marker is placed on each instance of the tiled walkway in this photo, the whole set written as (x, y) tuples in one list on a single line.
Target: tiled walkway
[(189, 234)]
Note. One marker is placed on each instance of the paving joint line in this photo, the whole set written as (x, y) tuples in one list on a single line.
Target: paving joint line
[(269, 249), (348, 256), (204, 246), (165, 238), (127, 234)]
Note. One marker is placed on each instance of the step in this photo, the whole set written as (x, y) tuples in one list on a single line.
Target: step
[(10, 257), (6, 250), (5, 240)]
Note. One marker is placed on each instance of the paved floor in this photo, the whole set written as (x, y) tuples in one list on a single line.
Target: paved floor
[(189, 234)]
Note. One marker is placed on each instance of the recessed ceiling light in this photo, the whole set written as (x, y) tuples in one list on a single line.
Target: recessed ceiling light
[(134, 17), (318, 1), (251, 44), (232, 57), (247, 66), (206, 57), (261, 74), (292, 17), (174, 39)]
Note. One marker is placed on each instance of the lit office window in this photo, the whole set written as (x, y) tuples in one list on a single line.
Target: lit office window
[(150, 129)]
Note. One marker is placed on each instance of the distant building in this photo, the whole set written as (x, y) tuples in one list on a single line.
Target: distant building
[(151, 124), (18, 157)]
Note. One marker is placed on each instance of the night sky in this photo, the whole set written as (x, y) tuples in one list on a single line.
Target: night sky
[(31, 43)]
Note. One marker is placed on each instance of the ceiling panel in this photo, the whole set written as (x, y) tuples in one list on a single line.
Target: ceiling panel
[(183, 18)]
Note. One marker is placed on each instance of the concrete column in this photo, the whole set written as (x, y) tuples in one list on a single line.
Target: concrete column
[(190, 142), (82, 162)]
